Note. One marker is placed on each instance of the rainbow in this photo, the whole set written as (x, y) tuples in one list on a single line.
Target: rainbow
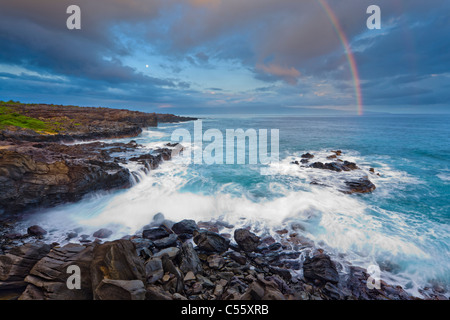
[(350, 57)]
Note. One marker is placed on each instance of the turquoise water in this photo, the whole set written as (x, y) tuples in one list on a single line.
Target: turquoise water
[(403, 226)]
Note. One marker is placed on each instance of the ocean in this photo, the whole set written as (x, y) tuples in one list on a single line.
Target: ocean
[(402, 227)]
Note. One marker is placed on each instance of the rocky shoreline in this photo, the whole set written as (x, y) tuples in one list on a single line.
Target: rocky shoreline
[(39, 170), (186, 261), (166, 260)]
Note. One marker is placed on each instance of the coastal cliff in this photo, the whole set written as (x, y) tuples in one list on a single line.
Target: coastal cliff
[(39, 169)]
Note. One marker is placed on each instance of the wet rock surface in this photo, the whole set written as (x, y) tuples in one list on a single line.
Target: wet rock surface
[(207, 267), (350, 184), (362, 185), (39, 169)]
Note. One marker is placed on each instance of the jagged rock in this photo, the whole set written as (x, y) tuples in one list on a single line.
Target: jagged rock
[(169, 267), (154, 292), (363, 185), (116, 260), (185, 228), (17, 263), (332, 291), (165, 242), (335, 166), (177, 296), (215, 261), (211, 241), (307, 156), (189, 276), (189, 259), (32, 177), (143, 247), (255, 291), (282, 272), (154, 270), (205, 282), (120, 290), (166, 154), (171, 252), (271, 293), (37, 170), (239, 258), (48, 278), (246, 240), (320, 267), (155, 233)]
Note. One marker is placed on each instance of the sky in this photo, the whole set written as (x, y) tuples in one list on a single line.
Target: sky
[(229, 56)]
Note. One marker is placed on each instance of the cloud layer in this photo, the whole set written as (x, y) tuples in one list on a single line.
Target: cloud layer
[(255, 53)]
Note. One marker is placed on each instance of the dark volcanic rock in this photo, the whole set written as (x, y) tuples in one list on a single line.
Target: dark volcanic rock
[(120, 290), (363, 185), (32, 177), (36, 231), (210, 241), (37, 170), (172, 118), (149, 160), (335, 166), (185, 228), (246, 240), (165, 153), (153, 270), (102, 233), (189, 259), (48, 278), (239, 258), (17, 263), (114, 271), (116, 260), (307, 156), (155, 233), (320, 267), (165, 242)]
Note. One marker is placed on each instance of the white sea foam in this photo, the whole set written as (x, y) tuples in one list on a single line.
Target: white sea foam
[(339, 222), (148, 133), (444, 175)]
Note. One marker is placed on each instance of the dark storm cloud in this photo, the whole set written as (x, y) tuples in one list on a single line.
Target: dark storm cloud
[(290, 41), (34, 35)]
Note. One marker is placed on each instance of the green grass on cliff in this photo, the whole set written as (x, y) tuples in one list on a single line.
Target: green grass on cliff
[(8, 117)]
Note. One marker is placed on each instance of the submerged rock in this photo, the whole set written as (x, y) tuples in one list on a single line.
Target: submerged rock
[(307, 156), (335, 166), (363, 185)]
